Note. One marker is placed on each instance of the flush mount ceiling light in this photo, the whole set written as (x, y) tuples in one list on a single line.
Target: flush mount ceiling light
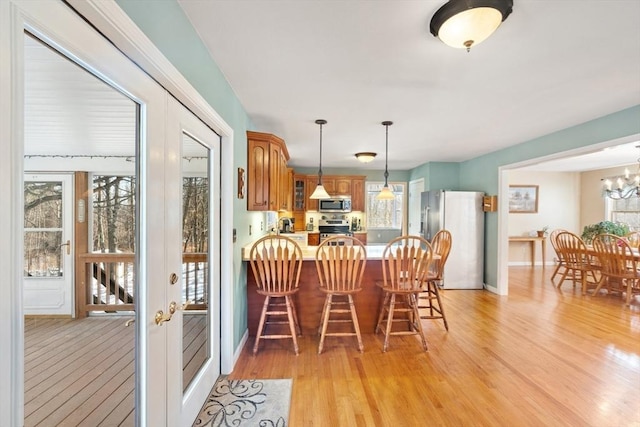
[(466, 23), (365, 156), (320, 192), (386, 193)]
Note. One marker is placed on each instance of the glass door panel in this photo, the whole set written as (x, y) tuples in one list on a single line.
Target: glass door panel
[(195, 258)]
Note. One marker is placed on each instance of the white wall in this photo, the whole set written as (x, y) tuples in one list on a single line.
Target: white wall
[(559, 195)]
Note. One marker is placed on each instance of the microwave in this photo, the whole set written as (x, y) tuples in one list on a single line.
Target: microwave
[(339, 204)]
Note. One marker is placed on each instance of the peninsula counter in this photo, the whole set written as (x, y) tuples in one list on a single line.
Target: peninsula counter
[(310, 300)]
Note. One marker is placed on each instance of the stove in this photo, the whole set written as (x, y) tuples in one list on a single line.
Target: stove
[(333, 227)]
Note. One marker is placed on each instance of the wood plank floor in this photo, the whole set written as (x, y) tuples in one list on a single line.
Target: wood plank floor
[(81, 372), (537, 357)]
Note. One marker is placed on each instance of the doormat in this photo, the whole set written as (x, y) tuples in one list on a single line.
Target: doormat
[(247, 403)]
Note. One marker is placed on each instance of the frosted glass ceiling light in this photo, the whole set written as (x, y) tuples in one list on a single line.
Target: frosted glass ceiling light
[(365, 156), (320, 192), (466, 23)]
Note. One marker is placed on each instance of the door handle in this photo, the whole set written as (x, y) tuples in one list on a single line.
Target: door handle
[(162, 317), (68, 245)]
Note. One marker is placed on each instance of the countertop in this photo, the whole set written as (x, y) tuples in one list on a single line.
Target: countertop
[(309, 252)]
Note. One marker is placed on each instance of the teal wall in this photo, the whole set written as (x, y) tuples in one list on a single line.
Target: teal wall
[(482, 173), (182, 46)]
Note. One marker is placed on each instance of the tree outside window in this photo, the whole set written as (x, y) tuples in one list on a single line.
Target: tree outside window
[(387, 214)]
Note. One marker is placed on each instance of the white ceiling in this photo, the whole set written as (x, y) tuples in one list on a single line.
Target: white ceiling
[(355, 63)]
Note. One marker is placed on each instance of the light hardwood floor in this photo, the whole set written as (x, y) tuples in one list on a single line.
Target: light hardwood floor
[(537, 357)]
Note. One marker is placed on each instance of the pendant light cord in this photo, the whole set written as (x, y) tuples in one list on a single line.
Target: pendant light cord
[(386, 153), (386, 157), (320, 122)]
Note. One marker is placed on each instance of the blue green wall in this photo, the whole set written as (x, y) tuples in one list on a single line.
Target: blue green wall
[(482, 173)]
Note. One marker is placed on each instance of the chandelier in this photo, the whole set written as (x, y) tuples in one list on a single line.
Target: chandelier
[(622, 186)]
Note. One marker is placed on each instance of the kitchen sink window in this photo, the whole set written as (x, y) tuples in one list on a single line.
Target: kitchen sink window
[(384, 217)]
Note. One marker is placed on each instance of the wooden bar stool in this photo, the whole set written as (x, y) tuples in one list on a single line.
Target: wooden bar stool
[(429, 301), (276, 262), (340, 262), (405, 266)]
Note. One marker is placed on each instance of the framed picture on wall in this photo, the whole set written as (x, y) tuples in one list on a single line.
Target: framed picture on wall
[(523, 199)]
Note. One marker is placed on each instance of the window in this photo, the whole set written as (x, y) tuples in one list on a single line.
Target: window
[(625, 210), (387, 214)]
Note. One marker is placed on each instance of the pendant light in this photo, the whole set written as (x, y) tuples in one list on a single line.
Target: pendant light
[(320, 192), (386, 193), (466, 23)]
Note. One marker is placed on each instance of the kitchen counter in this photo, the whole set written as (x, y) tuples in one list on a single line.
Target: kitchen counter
[(374, 252), (310, 299)]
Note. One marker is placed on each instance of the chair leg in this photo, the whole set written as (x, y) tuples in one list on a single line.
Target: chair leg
[(292, 325), (414, 305), (356, 325), (382, 309), (294, 310), (324, 309), (392, 304), (555, 272), (263, 316), (325, 320), (564, 276), (434, 286)]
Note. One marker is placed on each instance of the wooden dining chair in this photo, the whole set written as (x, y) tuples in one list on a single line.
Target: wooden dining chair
[(276, 262), (619, 264), (405, 267), (579, 263), (633, 238), (561, 264), (340, 262), (429, 300)]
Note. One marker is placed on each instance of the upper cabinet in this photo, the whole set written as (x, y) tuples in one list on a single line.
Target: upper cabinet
[(267, 173), (336, 185), (357, 194)]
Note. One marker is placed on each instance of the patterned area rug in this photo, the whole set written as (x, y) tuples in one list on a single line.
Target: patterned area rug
[(247, 403)]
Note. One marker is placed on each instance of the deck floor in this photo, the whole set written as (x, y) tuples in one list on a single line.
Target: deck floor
[(80, 372)]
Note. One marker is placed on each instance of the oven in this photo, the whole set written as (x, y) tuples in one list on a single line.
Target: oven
[(333, 227)]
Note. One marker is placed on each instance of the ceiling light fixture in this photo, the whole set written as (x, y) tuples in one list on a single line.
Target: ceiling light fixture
[(320, 192), (366, 156), (386, 193), (466, 23), (625, 186)]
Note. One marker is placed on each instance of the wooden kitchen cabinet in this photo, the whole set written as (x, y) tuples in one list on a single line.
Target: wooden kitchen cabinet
[(313, 239), (267, 157), (337, 185), (342, 186), (361, 236), (311, 183), (357, 194)]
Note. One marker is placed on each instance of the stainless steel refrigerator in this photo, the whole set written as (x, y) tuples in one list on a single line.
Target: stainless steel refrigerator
[(461, 213)]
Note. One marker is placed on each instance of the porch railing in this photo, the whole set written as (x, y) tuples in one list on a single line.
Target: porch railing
[(106, 282)]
